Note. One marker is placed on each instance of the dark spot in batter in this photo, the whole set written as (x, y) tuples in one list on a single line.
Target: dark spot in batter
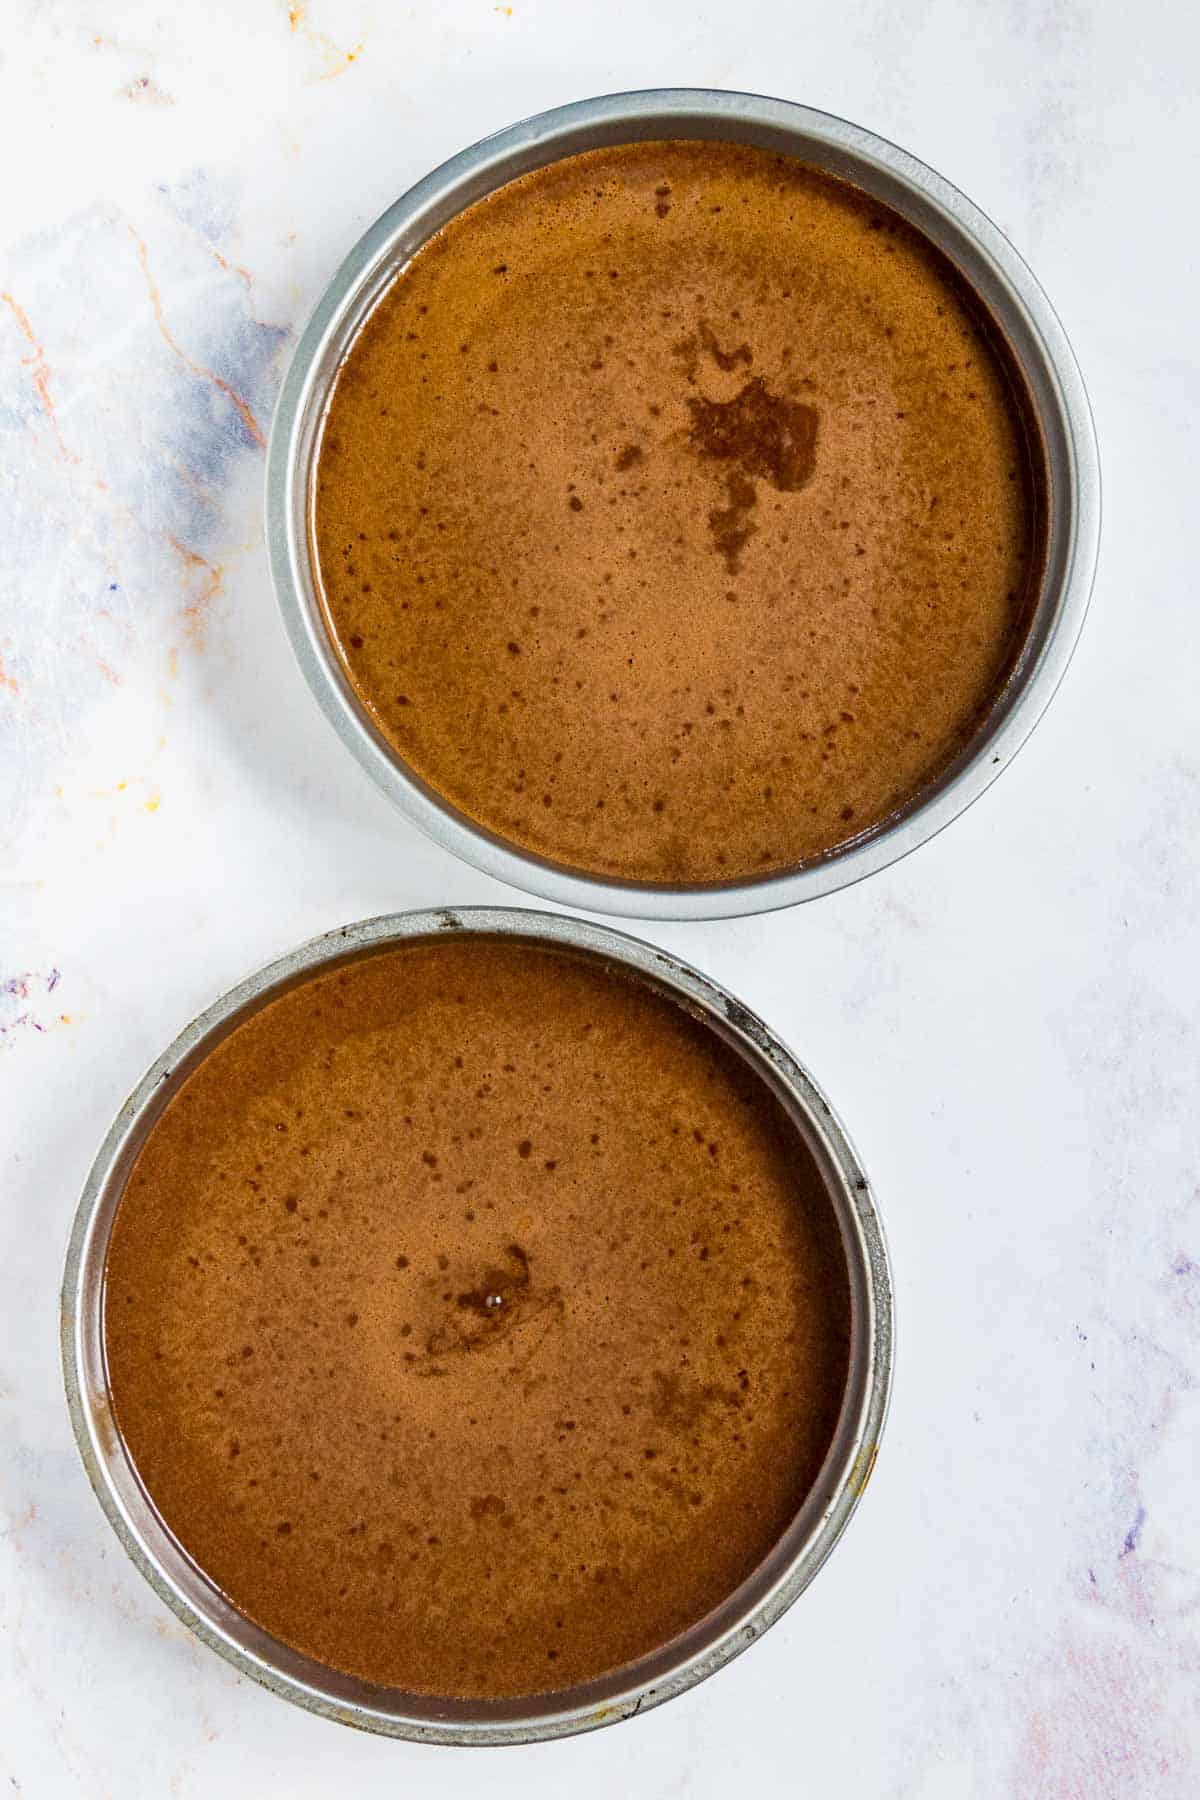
[(763, 435)]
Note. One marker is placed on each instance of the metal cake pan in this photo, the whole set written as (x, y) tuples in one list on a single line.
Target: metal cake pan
[(677, 1665), (991, 267)]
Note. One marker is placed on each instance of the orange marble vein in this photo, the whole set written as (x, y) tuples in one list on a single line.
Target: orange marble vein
[(321, 41), (198, 369), (41, 374), (195, 613), (242, 274)]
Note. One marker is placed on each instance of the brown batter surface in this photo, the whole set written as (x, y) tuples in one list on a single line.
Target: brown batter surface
[(674, 515), (475, 1319)]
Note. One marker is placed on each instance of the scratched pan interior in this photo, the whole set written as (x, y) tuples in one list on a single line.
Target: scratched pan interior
[(679, 1664), (992, 268)]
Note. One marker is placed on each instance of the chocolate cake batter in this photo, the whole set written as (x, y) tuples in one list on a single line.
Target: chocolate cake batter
[(675, 514), (475, 1319)]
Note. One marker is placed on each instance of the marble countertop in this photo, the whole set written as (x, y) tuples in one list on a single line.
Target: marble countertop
[(1007, 1021)]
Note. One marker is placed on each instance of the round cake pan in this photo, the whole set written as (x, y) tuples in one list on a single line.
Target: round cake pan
[(991, 268), (679, 1664)]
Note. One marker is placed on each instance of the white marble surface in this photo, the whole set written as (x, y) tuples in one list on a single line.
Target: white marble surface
[(1008, 1020)]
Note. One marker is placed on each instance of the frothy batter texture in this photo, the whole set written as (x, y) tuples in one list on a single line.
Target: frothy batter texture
[(475, 1318), (676, 515)]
